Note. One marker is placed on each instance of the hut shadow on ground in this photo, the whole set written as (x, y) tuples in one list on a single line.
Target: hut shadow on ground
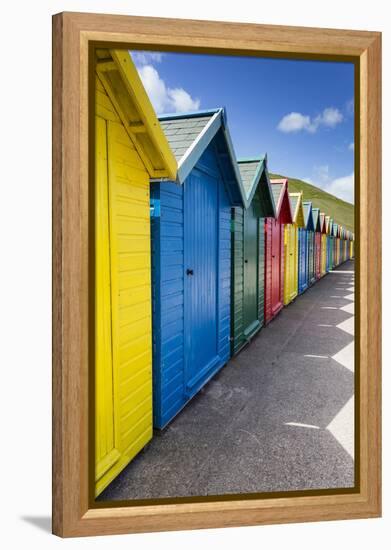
[(278, 417)]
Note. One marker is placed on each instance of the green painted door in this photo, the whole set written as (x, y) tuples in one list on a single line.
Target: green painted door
[(250, 271)]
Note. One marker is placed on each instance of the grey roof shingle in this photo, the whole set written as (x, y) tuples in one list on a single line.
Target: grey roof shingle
[(307, 210), (255, 179), (322, 219), (294, 200), (276, 190), (315, 216), (182, 132), (247, 171)]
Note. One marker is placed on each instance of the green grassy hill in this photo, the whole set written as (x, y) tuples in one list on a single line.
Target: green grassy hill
[(342, 212)]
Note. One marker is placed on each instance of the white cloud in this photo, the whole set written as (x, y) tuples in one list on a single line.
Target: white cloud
[(330, 117), (182, 100), (296, 122), (144, 58), (155, 87), (351, 146), (322, 172), (350, 106), (343, 188), (163, 98)]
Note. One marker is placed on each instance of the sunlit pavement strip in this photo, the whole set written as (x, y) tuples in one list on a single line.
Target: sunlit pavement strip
[(342, 427), (347, 326), (345, 356), (300, 425), (349, 308)]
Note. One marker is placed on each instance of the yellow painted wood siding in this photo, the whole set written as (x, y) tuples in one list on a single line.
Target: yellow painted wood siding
[(123, 298), (105, 451), (323, 252), (290, 263), (338, 258), (295, 288)]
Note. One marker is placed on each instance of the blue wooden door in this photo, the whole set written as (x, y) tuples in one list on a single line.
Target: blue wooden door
[(200, 277)]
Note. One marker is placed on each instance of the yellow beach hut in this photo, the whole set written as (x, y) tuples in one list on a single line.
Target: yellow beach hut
[(291, 247), (352, 246), (130, 149)]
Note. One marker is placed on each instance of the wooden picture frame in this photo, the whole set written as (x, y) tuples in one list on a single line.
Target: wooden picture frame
[(74, 512)]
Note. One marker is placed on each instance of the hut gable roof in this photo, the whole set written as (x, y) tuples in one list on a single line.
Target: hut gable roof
[(327, 224), (255, 178), (119, 77), (181, 133), (308, 219), (189, 134), (316, 218), (335, 232), (322, 218), (296, 200), (281, 200)]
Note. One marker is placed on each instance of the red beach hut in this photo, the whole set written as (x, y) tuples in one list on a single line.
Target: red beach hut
[(274, 249)]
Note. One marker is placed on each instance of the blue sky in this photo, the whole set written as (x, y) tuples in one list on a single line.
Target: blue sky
[(299, 112)]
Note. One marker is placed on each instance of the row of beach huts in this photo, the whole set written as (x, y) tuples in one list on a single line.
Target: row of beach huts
[(195, 251)]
